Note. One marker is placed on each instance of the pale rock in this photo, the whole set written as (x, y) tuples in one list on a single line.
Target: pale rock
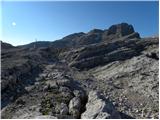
[(98, 108)]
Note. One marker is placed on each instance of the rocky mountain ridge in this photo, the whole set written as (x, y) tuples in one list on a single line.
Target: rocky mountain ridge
[(113, 71), (94, 36)]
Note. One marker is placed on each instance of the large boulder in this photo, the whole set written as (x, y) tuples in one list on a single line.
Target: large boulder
[(75, 107), (99, 108)]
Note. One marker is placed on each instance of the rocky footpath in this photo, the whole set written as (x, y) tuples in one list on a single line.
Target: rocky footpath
[(102, 74)]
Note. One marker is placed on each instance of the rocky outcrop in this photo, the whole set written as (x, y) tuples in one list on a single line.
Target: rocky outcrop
[(98, 107), (101, 54), (118, 31), (121, 29)]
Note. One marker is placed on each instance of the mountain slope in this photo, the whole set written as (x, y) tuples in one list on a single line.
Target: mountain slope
[(114, 69)]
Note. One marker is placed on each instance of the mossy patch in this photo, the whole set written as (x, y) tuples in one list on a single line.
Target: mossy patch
[(51, 100), (46, 106)]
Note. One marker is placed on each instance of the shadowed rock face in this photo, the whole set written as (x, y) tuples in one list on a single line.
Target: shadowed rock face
[(113, 71), (118, 31), (121, 29)]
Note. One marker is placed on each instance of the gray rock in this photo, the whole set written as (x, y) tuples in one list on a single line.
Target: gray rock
[(122, 29), (29, 88), (45, 88), (64, 109), (64, 89), (75, 103), (45, 117), (20, 102), (75, 107), (99, 108), (63, 82), (52, 84), (103, 115), (66, 92), (80, 94), (101, 54)]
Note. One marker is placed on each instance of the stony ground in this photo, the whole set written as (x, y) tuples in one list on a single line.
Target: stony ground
[(118, 79), (129, 85)]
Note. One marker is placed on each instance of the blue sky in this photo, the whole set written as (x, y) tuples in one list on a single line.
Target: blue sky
[(22, 22)]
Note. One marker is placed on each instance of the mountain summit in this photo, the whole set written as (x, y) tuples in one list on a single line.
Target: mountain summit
[(121, 29)]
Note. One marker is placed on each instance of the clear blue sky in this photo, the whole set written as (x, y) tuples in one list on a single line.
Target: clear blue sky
[(22, 22)]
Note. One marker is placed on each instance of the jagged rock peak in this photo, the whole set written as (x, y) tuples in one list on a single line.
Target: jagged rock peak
[(121, 29)]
